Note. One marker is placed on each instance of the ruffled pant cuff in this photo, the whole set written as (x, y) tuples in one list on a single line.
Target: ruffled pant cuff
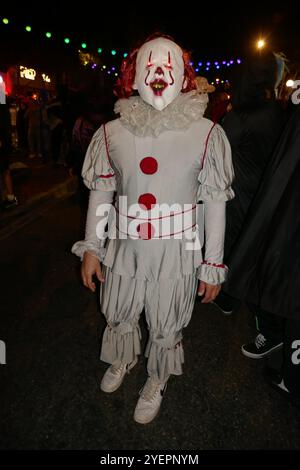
[(121, 343), (165, 356)]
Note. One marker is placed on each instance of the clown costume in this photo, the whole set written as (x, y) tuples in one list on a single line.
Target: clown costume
[(146, 172)]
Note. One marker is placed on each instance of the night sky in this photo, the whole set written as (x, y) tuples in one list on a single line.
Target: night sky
[(204, 27), (208, 31)]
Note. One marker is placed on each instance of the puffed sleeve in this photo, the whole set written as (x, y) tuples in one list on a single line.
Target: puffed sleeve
[(216, 174), (97, 171)]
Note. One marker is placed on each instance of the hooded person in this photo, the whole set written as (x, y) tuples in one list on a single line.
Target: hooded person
[(146, 171), (270, 248), (253, 128)]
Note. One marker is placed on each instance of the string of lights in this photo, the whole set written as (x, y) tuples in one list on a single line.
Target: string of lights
[(95, 56)]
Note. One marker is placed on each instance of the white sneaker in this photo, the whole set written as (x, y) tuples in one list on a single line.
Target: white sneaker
[(114, 376), (150, 400)]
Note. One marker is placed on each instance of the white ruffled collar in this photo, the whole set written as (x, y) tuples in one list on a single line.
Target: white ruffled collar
[(143, 120)]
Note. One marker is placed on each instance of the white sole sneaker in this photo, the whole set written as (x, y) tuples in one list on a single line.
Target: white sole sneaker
[(225, 312), (262, 355), (149, 403), (114, 377)]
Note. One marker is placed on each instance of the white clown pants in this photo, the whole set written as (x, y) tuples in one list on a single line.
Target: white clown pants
[(168, 305)]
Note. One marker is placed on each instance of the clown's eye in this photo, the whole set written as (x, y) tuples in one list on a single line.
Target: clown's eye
[(168, 66), (149, 64)]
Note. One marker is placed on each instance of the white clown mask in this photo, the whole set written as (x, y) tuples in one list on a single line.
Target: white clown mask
[(159, 74)]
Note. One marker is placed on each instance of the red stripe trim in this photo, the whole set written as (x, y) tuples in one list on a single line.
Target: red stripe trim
[(214, 265), (157, 218), (206, 144), (162, 236), (106, 145), (110, 175)]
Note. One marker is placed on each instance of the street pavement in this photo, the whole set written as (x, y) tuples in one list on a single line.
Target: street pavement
[(49, 389)]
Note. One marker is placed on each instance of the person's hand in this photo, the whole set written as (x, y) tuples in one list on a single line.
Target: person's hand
[(90, 266), (210, 291)]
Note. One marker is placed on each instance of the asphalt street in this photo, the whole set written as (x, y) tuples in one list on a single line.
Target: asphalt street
[(49, 393)]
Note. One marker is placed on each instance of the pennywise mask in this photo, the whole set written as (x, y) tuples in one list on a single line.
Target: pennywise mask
[(159, 74)]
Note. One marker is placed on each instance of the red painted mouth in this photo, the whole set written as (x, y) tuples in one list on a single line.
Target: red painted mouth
[(158, 86)]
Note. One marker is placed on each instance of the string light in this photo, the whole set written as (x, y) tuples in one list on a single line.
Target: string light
[(93, 62), (260, 44)]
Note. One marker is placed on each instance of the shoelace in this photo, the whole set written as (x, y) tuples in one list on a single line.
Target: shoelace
[(260, 341), (150, 389), (118, 370)]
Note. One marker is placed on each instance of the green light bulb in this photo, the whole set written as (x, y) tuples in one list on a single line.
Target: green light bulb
[(83, 45), (67, 41), (5, 20), (113, 52), (48, 35), (28, 29)]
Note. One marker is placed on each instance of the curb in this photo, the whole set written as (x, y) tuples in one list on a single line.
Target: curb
[(32, 209)]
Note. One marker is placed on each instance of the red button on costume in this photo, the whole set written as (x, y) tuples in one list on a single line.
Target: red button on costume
[(149, 165), (145, 230), (147, 201)]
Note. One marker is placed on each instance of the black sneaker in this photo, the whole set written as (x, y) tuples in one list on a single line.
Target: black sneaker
[(223, 304), (261, 347)]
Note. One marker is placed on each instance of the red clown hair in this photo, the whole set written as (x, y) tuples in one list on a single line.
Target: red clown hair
[(124, 85)]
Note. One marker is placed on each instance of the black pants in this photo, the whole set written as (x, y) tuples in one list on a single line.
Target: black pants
[(277, 329), (291, 355), (268, 324)]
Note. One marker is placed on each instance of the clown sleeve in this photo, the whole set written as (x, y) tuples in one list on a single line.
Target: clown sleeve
[(97, 171), (215, 180), (212, 270), (99, 176), (216, 174)]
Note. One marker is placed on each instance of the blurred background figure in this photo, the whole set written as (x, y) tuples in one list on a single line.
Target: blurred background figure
[(55, 122), (253, 127), (22, 127), (34, 119), (8, 197), (220, 106), (266, 263), (204, 88), (90, 119)]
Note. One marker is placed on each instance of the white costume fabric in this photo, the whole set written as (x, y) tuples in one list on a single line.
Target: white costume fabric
[(171, 156)]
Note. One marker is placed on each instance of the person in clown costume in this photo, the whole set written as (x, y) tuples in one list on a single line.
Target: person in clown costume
[(146, 171)]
